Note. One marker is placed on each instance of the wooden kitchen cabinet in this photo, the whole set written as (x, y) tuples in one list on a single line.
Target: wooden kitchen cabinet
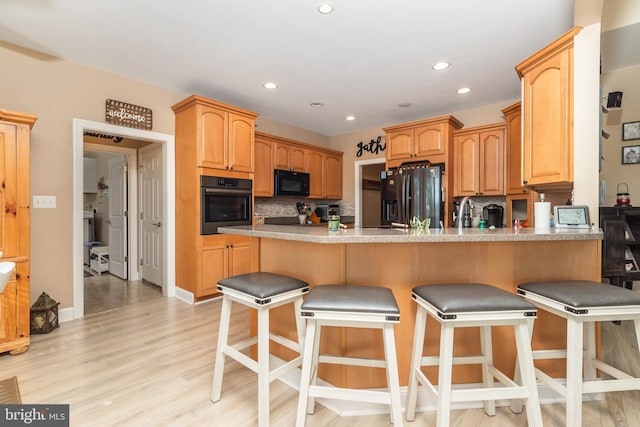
[(419, 141), (547, 115), (322, 164), (290, 157), (212, 139), (223, 256), (325, 174), (513, 131), (479, 161), (223, 134), (263, 174), (15, 129)]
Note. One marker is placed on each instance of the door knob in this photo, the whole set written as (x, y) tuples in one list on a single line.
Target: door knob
[(157, 224)]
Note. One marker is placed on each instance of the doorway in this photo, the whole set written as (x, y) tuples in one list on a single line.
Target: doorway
[(368, 192), (167, 186)]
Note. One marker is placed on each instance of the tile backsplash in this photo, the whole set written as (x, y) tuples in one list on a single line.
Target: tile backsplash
[(272, 207)]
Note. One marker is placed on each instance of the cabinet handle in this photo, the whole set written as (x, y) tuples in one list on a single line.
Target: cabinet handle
[(525, 182)]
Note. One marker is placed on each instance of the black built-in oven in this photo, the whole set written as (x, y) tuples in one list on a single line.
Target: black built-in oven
[(224, 202)]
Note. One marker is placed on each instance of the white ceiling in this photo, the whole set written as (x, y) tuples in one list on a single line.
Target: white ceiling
[(363, 59)]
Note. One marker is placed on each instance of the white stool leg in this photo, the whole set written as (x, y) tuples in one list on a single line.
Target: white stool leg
[(311, 401), (263, 367), (589, 350), (574, 371), (393, 381), (487, 360), (223, 334), (527, 373), (444, 375), (516, 404), (300, 324), (416, 363), (305, 377)]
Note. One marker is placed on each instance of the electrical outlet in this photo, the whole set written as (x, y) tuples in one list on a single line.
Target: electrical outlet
[(46, 202)]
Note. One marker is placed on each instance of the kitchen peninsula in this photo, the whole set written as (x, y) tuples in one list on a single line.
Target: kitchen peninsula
[(402, 259)]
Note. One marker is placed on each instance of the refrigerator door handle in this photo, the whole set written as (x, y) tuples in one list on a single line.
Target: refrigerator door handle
[(407, 198)]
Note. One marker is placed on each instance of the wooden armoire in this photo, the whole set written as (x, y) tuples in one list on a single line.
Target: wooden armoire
[(15, 130)]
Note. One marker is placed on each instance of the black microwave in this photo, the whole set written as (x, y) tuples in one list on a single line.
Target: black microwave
[(289, 183)]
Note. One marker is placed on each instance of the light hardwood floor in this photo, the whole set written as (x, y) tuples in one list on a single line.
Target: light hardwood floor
[(150, 362)]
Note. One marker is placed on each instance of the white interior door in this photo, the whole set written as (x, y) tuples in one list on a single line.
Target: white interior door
[(118, 251), (152, 218)]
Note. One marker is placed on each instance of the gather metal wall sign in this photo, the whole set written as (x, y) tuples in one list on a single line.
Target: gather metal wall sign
[(129, 115)]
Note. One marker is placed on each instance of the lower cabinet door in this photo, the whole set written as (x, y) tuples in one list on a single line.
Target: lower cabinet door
[(215, 266)]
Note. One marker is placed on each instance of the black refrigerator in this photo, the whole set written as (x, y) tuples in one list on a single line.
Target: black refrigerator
[(412, 191)]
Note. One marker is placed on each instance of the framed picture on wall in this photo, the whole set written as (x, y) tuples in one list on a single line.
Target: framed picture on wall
[(630, 130), (631, 155)]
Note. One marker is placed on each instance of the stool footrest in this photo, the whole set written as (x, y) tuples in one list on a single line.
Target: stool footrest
[(457, 360), (352, 361), (357, 395), (286, 342), (610, 385)]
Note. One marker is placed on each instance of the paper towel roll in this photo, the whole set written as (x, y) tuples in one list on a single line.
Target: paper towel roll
[(542, 215)]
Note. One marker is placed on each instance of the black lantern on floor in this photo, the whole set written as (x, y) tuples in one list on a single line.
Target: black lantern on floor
[(44, 315)]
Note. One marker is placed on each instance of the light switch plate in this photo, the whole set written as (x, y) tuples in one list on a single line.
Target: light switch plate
[(47, 202)]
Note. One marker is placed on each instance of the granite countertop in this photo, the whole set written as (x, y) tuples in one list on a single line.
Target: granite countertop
[(304, 233)]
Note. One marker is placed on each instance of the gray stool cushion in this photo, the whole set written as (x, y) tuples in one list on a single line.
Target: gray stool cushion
[(583, 293), (349, 298), (262, 284), (470, 297)]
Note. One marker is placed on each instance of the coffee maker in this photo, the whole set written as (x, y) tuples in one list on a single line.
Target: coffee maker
[(493, 215)]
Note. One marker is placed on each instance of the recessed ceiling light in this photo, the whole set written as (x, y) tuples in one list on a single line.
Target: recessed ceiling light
[(316, 104), (441, 66), (325, 8), (350, 118), (405, 104), (270, 85), (463, 90)]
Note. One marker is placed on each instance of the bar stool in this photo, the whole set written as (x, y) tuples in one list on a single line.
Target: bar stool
[(352, 307), (456, 305), (261, 291), (582, 303)]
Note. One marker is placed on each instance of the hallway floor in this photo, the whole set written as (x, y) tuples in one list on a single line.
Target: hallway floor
[(107, 292)]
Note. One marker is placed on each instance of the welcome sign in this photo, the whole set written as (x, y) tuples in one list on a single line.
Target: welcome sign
[(129, 115)]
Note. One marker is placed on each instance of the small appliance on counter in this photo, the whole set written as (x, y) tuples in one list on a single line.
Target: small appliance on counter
[(334, 210), (493, 215), (322, 211)]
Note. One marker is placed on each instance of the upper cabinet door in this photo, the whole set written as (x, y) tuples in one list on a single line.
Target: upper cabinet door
[(467, 156), (547, 115), (333, 176), (298, 159), (282, 156), (241, 136), (263, 175), (430, 140), (315, 163), (400, 144), (492, 163), (513, 146), (213, 148)]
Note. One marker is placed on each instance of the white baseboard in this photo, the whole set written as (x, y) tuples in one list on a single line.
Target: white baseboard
[(184, 295), (65, 314)]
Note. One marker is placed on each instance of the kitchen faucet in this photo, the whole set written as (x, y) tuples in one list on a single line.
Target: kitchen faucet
[(465, 200)]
